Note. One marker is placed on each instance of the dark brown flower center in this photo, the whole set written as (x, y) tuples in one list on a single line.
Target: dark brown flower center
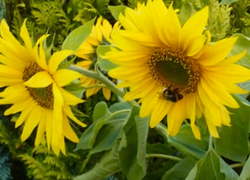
[(42, 96), (174, 70)]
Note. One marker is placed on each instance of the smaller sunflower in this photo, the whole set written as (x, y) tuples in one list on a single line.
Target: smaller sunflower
[(100, 35), (34, 85)]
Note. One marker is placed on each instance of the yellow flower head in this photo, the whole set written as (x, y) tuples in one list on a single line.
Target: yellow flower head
[(173, 69), (100, 36), (35, 88)]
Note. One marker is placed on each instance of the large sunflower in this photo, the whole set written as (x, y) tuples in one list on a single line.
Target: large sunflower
[(87, 51), (173, 69), (35, 88)]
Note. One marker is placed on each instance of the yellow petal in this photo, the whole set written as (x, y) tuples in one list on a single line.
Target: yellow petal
[(63, 77), (39, 80), (218, 95), (176, 116), (106, 92), (7, 71), (26, 37), (70, 99), (68, 132), (25, 113), (191, 109), (69, 113), (195, 45), (32, 122), (57, 58), (194, 26), (41, 129), (58, 97), (173, 30), (48, 126), (217, 52), (41, 61), (211, 127), (160, 110)]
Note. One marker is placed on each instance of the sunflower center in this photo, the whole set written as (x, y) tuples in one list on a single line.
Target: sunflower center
[(174, 70), (42, 96)]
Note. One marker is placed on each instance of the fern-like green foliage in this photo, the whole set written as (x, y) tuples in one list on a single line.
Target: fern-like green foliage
[(4, 164), (219, 17), (240, 18), (43, 164)]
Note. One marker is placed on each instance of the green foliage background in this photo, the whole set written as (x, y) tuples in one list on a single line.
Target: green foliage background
[(121, 155)]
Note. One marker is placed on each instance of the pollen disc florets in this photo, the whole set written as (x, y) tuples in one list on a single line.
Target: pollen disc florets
[(174, 70), (42, 96)]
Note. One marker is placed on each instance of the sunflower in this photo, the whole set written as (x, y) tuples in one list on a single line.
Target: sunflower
[(100, 36), (35, 88), (173, 69)]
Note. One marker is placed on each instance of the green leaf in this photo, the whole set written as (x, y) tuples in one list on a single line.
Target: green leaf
[(212, 167), (132, 153), (109, 133), (108, 165), (245, 173), (78, 36), (180, 170), (116, 10), (100, 111), (101, 115), (227, 1), (233, 141), (185, 142), (242, 44), (104, 64), (105, 130)]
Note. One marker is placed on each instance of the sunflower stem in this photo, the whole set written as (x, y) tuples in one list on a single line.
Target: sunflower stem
[(164, 156), (236, 165), (99, 77)]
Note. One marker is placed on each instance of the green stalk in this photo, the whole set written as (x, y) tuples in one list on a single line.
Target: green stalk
[(174, 158), (100, 77)]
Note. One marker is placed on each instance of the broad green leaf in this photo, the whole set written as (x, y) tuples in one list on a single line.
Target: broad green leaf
[(227, 1), (180, 170), (132, 150), (233, 141), (119, 106), (185, 142), (116, 10), (101, 110), (104, 64), (212, 167), (101, 115), (245, 173), (108, 165), (109, 133), (242, 44), (105, 130), (78, 36)]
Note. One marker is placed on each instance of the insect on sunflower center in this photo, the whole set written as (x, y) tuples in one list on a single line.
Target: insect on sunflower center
[(174, 70), (42, 96)]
